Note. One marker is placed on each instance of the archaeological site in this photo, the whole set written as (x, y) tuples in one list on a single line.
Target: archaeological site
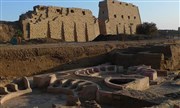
[(75, 24), (77, 72)]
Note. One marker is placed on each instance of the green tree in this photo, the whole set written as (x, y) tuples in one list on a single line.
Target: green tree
[(19, 33), (147, 29)]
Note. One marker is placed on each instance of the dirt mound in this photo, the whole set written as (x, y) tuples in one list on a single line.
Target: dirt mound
[(42, 40), (27, 60), (7, 30), (121, 37)]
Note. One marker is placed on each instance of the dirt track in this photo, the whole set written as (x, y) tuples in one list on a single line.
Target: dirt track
[(27, 60)]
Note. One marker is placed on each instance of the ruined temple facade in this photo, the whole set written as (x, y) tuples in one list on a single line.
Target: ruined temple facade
[(118, 17), (68, 24), (79, 25)]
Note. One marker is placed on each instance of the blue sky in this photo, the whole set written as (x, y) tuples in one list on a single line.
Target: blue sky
[(165, 13)]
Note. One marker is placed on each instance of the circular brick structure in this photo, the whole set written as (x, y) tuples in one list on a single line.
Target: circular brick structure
[(121, 81), (133, 82), (100, 70), (62, 74)]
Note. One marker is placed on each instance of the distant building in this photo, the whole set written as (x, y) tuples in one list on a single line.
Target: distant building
[(118, 17), (68, 24), (79, 25), (169, 33), (179, 29)]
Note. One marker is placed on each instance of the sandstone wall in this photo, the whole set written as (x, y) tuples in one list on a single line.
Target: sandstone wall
[(68, 24), (38, 30), (75, 24), (118, 17)]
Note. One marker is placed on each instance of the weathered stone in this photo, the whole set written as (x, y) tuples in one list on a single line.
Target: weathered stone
[(42, 81), (52, 78), (60, 90), (26, 83), (63, 106), (104, 97), (151, 73), (128, 82), (72, 101), (88, 93), (11, 95), (3, 90), (68, 24), (56, 106), (12, 87), (91, 104), (118, 17), (161, 57), (75, 24), (120, 69), (167, 104), (162, 72)]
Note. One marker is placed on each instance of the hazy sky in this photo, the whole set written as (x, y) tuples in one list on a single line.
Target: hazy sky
[(165, 13)]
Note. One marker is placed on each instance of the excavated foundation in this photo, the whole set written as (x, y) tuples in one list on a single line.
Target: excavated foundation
[(128, 78)]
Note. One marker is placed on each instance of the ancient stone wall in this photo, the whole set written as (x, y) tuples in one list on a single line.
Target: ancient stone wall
[(79, 25), (158, 56), (68, 24), (118, 17)]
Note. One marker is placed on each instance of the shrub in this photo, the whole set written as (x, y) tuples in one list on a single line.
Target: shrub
[(147, 29)]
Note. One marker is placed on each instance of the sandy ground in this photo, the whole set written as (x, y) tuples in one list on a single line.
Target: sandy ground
[(37, 99)]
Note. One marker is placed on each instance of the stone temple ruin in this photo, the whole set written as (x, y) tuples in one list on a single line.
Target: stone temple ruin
[(134, 77), (124, 76), (109, 85), (79, 25), (69, 24), (118, 17)]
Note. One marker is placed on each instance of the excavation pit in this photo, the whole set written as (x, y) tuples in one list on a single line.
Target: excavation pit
[(128, 82), (121, 81)]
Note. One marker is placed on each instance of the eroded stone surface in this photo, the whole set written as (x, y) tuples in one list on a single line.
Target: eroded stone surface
[(75, 24), (72, 87), (18, 88), (72, 101), (42, 81), (80, 88), (88, 93), (100, 70), (67, 24), (118, 17), (158, 56), (125, 82), (91, 104)]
